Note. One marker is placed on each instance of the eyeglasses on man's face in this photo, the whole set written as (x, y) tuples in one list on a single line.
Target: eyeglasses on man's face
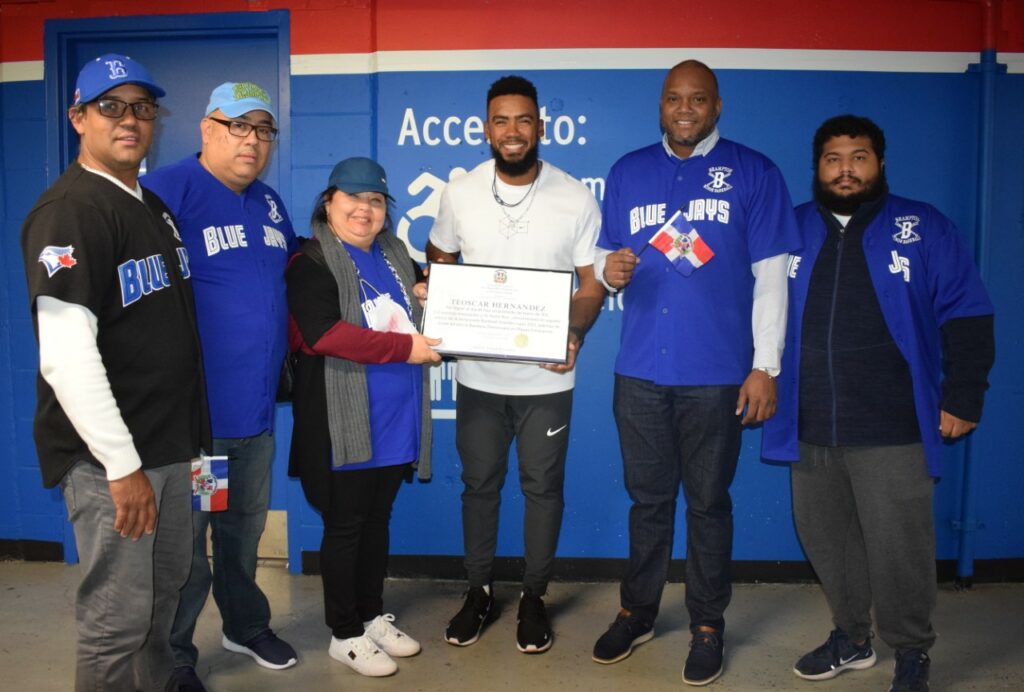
[(115, 108), (240, 128)]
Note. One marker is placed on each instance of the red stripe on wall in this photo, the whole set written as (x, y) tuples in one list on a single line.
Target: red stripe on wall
[(362, 26)]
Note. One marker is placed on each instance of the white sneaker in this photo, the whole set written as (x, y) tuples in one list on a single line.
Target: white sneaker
[(362, 655), (394, 641)]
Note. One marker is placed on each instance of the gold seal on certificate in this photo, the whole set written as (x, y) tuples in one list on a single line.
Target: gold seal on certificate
[(499, 313)]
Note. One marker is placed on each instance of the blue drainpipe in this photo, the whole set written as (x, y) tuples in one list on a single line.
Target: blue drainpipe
[(988, 68)]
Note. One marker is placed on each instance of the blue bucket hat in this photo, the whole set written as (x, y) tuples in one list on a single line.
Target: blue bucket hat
[(359, 174), (110, 71), (235, 99)]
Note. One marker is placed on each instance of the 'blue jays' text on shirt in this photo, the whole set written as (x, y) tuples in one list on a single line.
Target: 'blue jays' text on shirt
[(695, 330), (238, 246)]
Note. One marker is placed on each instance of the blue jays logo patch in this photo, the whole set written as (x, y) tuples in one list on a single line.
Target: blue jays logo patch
[(117, 69), (55, 258), (906, 233), (900, 265), (274, 214), (718, 175)]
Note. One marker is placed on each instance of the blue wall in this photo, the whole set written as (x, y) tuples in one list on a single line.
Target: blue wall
[(595, 116)]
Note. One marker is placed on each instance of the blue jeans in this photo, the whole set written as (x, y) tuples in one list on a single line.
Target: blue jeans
[(671, 435), (129, 590), (236, 534)]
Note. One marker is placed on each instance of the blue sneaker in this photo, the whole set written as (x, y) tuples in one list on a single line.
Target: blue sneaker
[(266, 649), (911, 673), (704, 664), (835, 656), (628, 631)]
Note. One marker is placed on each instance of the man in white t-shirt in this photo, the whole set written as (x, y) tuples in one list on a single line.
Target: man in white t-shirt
[(516, 211)]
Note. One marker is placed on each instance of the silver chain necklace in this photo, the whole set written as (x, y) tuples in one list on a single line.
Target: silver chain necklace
[(497, 197), (510, 225)]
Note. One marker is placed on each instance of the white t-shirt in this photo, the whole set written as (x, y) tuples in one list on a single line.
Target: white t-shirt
[(554, 227)]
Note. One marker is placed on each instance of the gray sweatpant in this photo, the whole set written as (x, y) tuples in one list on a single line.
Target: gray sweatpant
[(865, 518)]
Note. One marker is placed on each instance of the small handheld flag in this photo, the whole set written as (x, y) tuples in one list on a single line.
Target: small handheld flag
[(682, 245), (210, 484)]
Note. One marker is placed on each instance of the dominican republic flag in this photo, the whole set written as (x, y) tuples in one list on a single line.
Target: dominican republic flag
[(210, 484), (682, 245)]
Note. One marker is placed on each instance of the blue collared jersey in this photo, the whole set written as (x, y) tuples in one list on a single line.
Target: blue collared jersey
[(923, 275), (694, 330), (238, 247)]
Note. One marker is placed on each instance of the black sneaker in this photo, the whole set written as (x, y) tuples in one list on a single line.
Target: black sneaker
[(835, 656), (266, 648), (464, 629), (911, 671), (625, 633), (704, 664), (184, 679), (533, 635)]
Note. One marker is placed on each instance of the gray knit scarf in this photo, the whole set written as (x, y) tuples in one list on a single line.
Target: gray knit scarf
[(348, 411)]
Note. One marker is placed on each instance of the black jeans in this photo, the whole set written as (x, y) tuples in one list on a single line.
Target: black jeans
[(671, 435), (354, 549)]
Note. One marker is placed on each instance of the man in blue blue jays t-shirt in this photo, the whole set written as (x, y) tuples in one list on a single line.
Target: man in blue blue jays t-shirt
[(702, 337), (239, 239)]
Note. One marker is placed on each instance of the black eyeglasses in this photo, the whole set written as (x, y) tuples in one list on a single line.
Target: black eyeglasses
[(115, 108), (240, 128)]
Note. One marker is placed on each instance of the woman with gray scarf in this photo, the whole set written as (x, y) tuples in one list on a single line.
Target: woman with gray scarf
[(360, 401)]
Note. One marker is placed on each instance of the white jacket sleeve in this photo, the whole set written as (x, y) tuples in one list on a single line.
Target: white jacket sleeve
[(70, 362), (768, 318)]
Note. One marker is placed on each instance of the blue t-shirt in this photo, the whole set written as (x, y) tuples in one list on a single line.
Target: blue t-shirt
[(394, 389), (238, 248), (694, 330)]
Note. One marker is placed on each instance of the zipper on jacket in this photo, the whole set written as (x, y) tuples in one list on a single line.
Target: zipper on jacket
[(831, 324)]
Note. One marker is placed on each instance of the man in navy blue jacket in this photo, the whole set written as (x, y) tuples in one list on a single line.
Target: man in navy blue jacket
[(888, 349)]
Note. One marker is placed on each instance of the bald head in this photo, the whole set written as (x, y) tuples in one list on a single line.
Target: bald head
[(690, 106), (697, 66)]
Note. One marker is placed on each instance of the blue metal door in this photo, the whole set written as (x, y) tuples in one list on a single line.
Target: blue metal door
[(188, 55)]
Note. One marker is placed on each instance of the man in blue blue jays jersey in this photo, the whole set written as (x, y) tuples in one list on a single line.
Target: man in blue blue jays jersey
[(888, 350), (239, 238), (700, 349)]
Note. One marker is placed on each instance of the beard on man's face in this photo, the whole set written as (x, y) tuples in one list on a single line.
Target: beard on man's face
[(847, 205), (514, 169)]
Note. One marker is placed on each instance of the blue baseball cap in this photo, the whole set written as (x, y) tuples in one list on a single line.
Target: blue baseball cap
[(235, 99), (109, 72), (359, 174)]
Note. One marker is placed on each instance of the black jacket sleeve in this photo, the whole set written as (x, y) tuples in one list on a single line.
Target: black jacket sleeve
[(968, 352)]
